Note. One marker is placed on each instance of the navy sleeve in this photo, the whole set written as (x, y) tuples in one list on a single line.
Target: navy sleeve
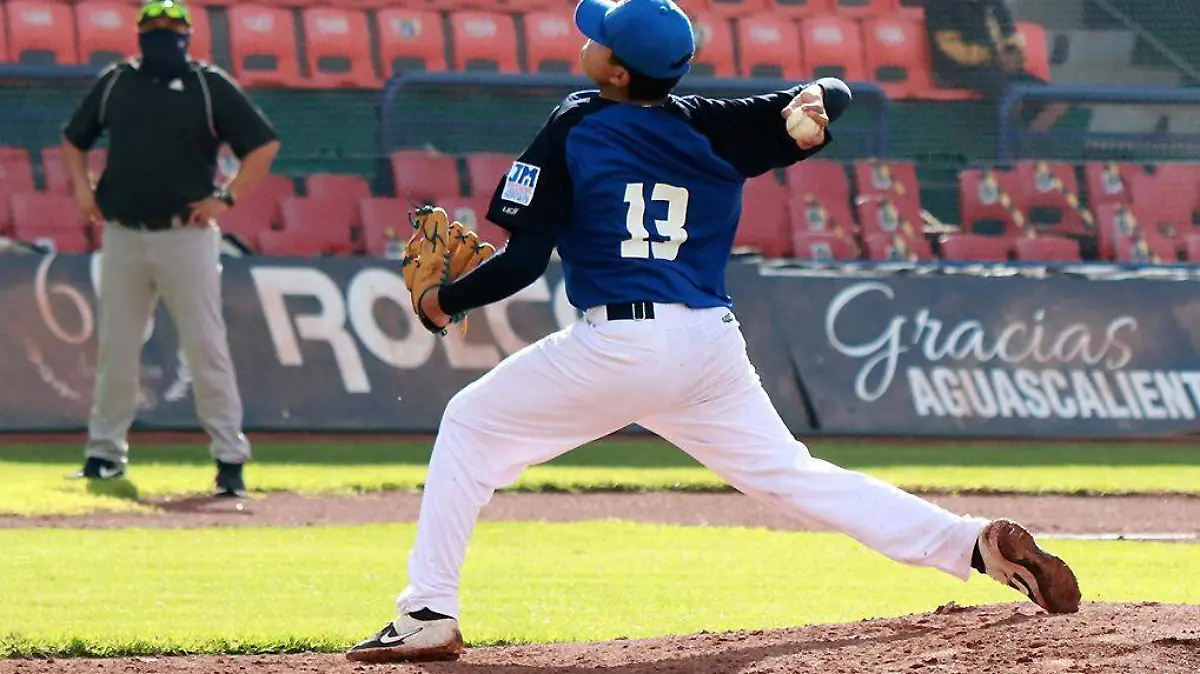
[(751, 135), (522, 260), (536, 194)]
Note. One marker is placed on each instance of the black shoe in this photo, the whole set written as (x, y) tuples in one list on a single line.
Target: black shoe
[(229, 480), (95, 468)]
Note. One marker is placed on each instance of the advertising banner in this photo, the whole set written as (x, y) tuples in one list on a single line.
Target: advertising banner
[(319, 345), (994, 356)]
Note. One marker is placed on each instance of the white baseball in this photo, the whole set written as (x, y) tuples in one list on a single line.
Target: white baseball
[(802, 127)]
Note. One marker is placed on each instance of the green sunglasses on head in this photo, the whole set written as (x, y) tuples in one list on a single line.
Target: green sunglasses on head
[(168, 8)]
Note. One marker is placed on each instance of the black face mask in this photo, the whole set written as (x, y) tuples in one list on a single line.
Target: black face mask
[(164, 52)]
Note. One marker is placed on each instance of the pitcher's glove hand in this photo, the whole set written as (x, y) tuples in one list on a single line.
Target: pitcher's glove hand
[(438, 253)]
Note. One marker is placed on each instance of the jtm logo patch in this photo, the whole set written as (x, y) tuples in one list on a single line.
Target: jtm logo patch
[(520, 183)]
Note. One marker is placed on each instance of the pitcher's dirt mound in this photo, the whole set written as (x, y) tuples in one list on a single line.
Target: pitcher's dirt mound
[(1100, 639)]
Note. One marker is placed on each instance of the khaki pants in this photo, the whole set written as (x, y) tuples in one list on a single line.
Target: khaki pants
[(184, 267)]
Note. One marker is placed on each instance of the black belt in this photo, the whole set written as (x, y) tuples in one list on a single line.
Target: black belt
[(629, 311), (154, 224)]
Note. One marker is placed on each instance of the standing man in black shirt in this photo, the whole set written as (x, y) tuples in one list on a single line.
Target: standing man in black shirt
[(166, 116)]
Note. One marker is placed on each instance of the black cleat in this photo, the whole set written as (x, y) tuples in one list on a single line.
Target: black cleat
[(95, 468), (229, 481)]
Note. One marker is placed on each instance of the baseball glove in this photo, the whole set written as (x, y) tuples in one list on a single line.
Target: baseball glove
[(439, 252)]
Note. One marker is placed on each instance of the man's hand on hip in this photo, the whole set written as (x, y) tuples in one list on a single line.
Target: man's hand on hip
[(206, 210), (85, 197)]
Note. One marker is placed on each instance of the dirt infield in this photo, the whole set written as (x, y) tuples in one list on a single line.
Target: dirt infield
[(1100, 639), (1125, 515)]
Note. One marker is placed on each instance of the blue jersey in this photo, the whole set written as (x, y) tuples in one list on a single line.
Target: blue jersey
[(643, 202)]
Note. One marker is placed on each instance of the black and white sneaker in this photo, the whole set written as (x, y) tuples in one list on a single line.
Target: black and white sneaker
[(229, 481), (95, 468), (411, 639)]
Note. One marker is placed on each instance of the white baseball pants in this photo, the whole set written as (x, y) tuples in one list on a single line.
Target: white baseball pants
[(184, 267), (686, 377)]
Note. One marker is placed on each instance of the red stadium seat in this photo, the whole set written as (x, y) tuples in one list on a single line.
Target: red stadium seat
[(41, 33), (974, 248), (200, 45), (1037, 52), (526, 7), (472, 213), (1114, 220), (764, 223), (1048, 194), (895, 248), (484, 41), (714, 46), (49, 219), (1106, 181), (248, 218), (420, 175), (832, 47), (551, 43), (895, 50), (286, 243), (1182, 183), (1191, 248), (1164, 203), (107, 31), (381, 217), (825, 178), (348, 188), (262, 45), (770, 47), (732, 8), (325, 222), (3, 37), (814, 213), (800, 9), (485, 170), (16, 171), (881, 215), (866, 8), (57, 181), (988, 202), (895, 180), (338, 46), (1045, 249), (823, 246), (411, 40), (263, 202), (1156, 249)]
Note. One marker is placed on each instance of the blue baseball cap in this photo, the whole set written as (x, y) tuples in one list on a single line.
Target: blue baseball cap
[(653, 36)]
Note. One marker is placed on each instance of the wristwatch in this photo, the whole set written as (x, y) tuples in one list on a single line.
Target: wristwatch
[(224, 195)]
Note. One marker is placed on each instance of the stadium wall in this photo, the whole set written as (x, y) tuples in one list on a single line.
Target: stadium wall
[(329, 345)]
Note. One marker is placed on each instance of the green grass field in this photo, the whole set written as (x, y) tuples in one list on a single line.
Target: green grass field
[(34, 481), (139, 591)]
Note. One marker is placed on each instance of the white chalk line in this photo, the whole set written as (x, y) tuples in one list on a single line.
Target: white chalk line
[(1132, 536)]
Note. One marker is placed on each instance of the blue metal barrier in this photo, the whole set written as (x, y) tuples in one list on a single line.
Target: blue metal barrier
[(1009, 135), (398, 131)]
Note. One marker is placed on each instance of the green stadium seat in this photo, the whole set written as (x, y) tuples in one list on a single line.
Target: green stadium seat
[(769, 46)]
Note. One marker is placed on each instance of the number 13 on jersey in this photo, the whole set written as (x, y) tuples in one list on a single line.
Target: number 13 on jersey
[(673, 228)]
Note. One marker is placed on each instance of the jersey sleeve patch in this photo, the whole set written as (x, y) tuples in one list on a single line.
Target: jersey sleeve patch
[(520, 183)]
